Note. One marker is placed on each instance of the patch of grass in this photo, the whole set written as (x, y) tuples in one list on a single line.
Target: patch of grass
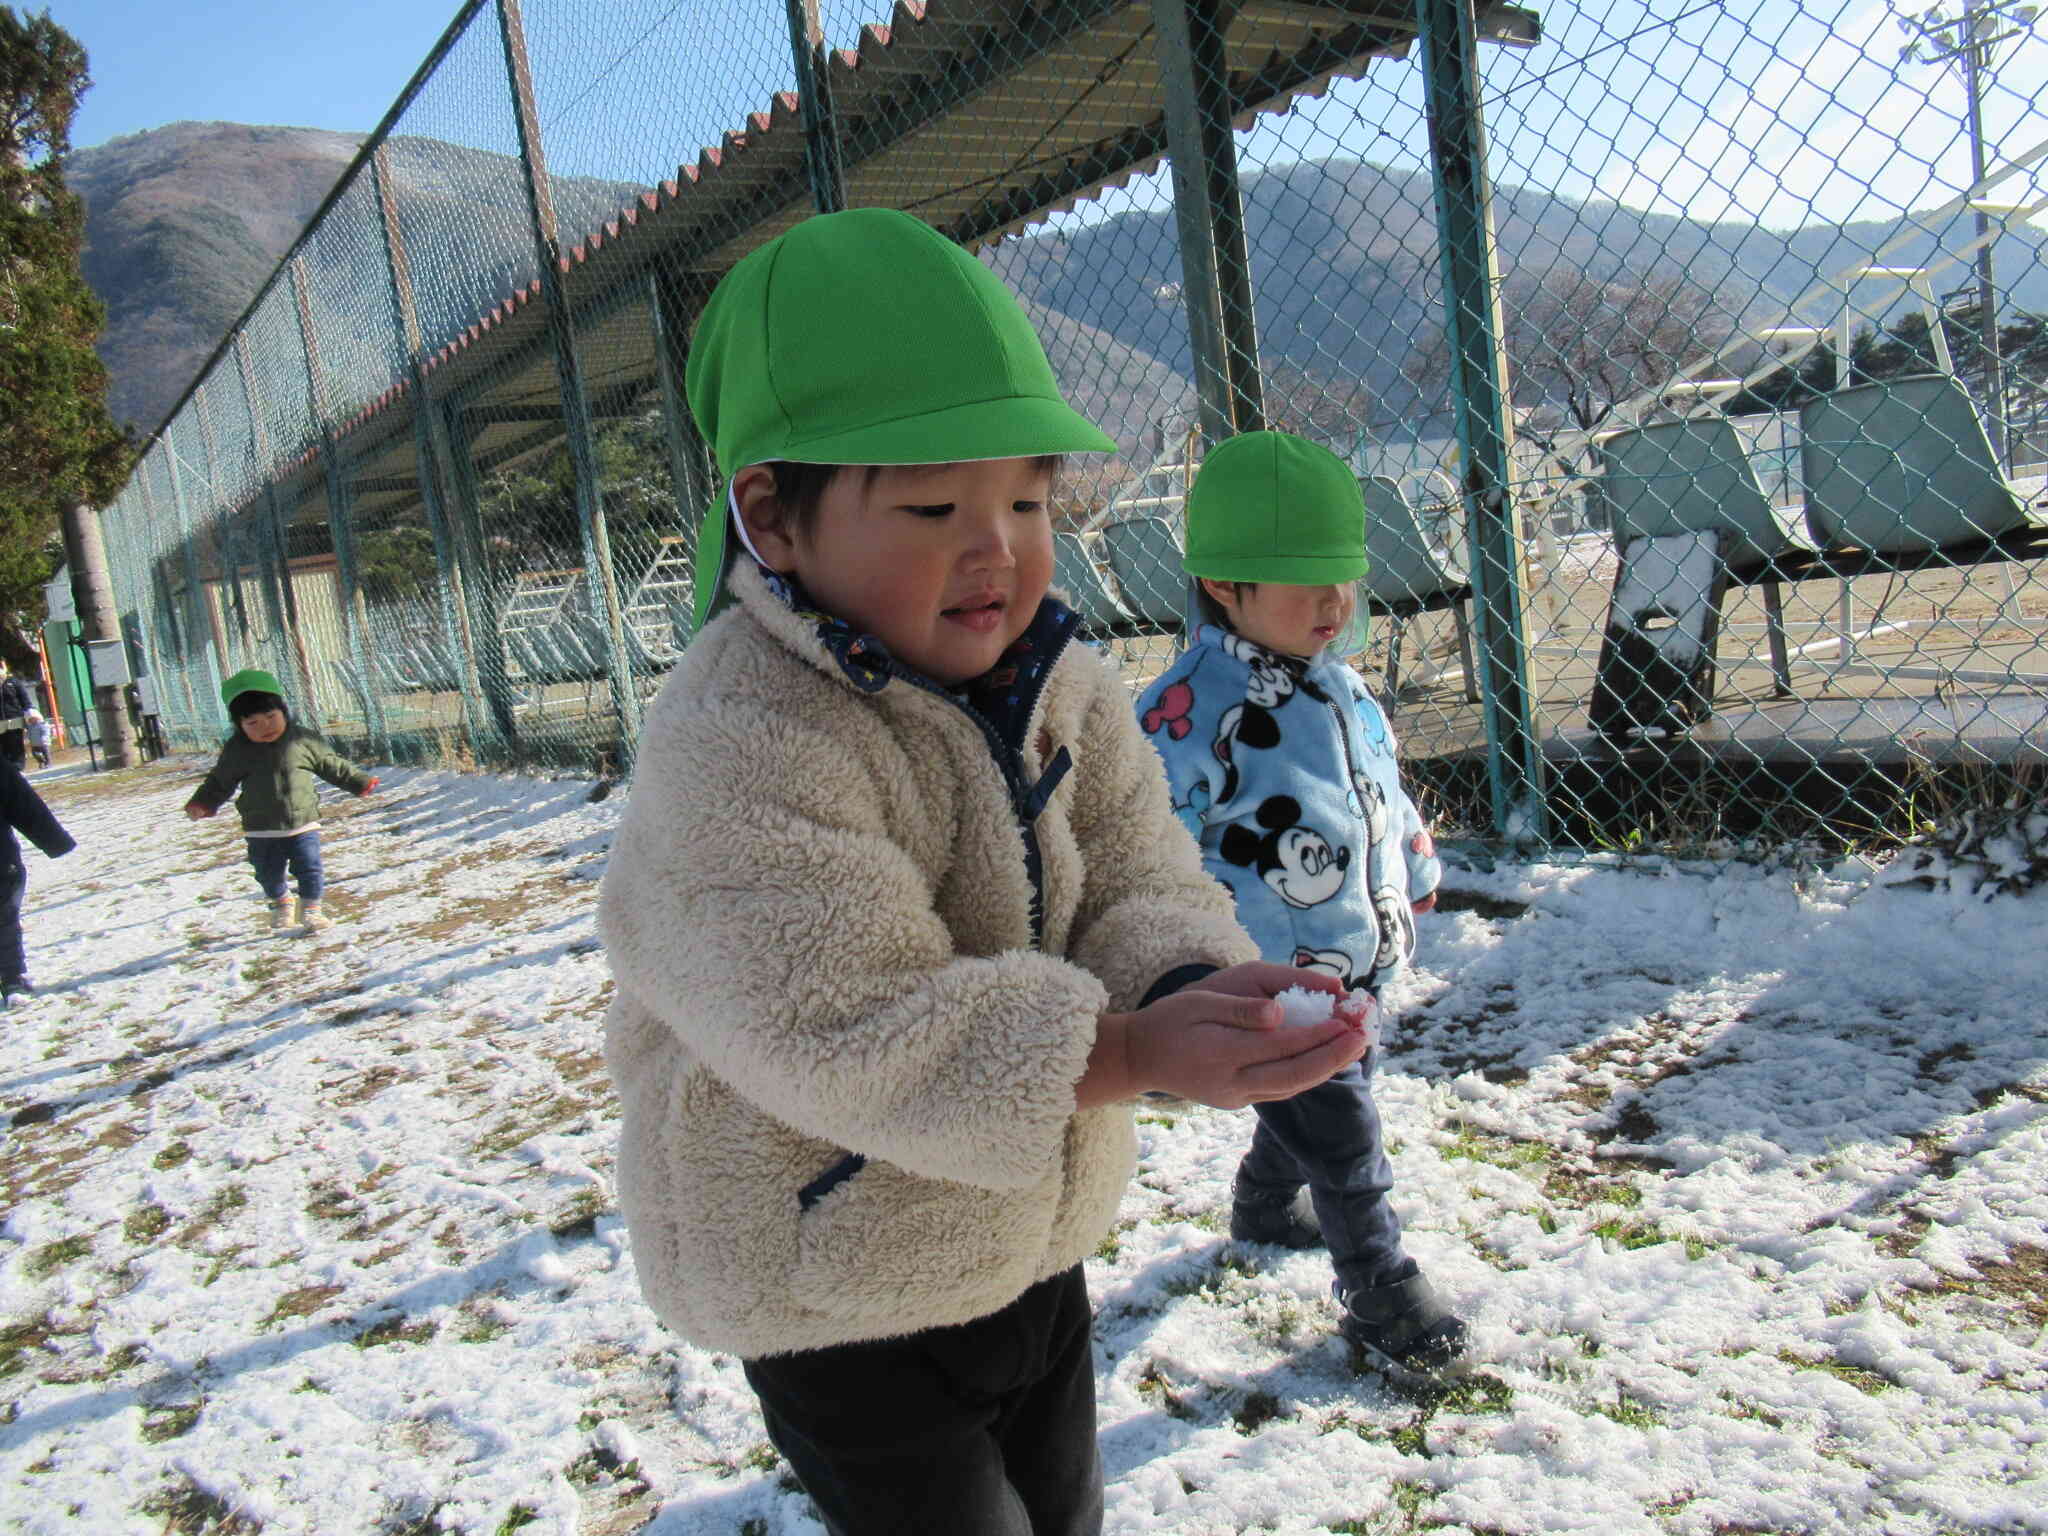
[(1646, 1234), (480, 1326), (177, 1152), (51, 1257), (563, 1109), (1164, 1121), (1257, 1410), (186, 1509), (2019, 1281), (1865, 1381), (332, 1202), (1154, 1387), (395, 1330), (1626, 1410), (126, 1358), (168, 1421), (145, 1223), (516, 1518), (761, 1456), (262, 969), (303, 1302), (224, 1204), (17, 1339), (579, 1219), (1113, 1243), (1500, 1151)]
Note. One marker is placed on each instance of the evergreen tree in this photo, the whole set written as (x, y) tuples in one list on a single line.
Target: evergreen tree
[(58, 444)]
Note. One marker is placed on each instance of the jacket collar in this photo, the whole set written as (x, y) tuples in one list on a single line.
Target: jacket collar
[(1008, 689)]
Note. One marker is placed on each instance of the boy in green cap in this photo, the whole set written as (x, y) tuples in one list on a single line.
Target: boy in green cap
[(274, 761), (1284, 768), (899, 918)]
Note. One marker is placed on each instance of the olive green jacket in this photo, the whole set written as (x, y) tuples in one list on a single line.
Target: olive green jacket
[(276, 779)]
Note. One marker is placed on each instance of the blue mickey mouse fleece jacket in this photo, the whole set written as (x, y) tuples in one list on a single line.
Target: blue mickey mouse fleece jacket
[(1285, 771)]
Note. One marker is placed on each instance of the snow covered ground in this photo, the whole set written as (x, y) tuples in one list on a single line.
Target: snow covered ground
[(1741, 1175)]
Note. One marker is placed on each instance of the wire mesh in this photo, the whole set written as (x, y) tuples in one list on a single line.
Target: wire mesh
[(1716, 520)]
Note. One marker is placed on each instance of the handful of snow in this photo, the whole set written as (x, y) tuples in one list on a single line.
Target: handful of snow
[(1303, 1007)]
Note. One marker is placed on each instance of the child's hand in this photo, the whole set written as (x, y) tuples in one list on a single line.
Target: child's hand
[(1422, 845), (194, 811), (364, 792), (1220, 1042)]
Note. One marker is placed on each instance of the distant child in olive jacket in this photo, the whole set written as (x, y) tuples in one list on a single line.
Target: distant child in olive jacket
[(274, 762), (21, 810)]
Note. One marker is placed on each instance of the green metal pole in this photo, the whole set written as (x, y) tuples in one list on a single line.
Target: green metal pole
[(597, 550), (449, 580), (1216, 282), (1472, 328)]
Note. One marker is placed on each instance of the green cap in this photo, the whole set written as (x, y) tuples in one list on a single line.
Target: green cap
[(248, 680), (867, 337), (1270, 506)]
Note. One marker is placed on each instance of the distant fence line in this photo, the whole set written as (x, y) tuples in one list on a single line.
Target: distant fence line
[(1689, 529)]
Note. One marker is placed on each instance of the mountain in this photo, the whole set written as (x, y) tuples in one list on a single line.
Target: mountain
[(185, 222)]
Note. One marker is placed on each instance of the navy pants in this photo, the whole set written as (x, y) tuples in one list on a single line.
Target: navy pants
[(273, 857), (1329, 1138), (985, 1427), (13, 885)]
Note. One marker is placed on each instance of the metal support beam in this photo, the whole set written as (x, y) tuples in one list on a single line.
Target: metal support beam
[(199, 610), (597, 551), (814, 96), (465, 523), (353, 619), (286, 598), (450, 578), (1472, 330), (1216, 281), (674, 302), (231, 559)]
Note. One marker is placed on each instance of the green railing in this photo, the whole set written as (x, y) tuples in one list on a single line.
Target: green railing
[(1693, 358)]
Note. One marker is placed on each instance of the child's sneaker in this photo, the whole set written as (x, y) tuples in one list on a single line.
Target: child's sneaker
[(280, 914), (1405, 1330), (311, 918), (15, 989), (1262, 1216)]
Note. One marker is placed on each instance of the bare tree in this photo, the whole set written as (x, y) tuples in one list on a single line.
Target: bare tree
[(1327, 408), (1581, 344)]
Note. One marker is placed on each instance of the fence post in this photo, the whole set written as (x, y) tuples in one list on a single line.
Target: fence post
[(674, 299), (338, 512), (1472, 329), (450, 584), (231, 565), (197, 606), (597, 550), (814, 95), (465, 523), (286, 596), (1216, 279), (166, 604)]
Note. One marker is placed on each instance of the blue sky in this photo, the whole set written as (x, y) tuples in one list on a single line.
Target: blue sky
[(245, 61), (1780, 111)]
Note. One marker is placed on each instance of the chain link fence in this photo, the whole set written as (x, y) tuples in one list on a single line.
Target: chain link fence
[(1693, 359)]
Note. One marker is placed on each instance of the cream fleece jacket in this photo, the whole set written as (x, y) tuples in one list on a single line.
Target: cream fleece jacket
[(818, 918)]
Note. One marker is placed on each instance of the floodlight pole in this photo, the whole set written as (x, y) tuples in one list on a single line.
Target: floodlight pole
[(1969, 39)]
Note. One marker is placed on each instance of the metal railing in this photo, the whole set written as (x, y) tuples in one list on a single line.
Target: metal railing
[(1706, 491)]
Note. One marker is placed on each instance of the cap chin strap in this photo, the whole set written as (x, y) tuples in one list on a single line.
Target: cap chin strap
[(732, 504)]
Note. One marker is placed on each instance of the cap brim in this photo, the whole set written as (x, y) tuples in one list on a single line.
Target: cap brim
[(1018, 427)]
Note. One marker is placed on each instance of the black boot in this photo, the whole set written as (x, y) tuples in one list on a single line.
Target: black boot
[(1405, 1330), (1263, 1216)]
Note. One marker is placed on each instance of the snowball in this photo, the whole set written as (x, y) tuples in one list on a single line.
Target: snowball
[(1302, 1007)]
